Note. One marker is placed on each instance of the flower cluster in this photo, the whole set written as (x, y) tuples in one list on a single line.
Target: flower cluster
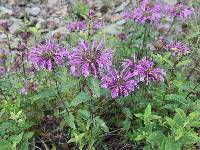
[(45, 56), (145, 12), (89, 58), (146, 71), (126, 80), (178, 48), (120, 82), (76, 26), (149, 11), (179, 11)]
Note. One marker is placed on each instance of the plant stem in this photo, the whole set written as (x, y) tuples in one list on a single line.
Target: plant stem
[(58, 91)]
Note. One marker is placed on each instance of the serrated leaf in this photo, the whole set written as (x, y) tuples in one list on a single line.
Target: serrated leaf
[(5, 145), (178, 98), (94, 86), (45, 94), (101, 123), (127, 113), (24, 146), (67, 85), (139, 137), (84, 113), (69, 118), (179, 133), (147, 114), (183, 63), (80, 98)]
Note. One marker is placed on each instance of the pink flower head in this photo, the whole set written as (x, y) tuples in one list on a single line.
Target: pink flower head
[(47, 55), (97, 24), (147, 11), (76, 26), (147, 72), (178, 48), (89, 58), (121, 83), (179, 11)]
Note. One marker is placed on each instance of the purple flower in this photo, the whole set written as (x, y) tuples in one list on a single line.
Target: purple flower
[(147, 72), (121, 83), (5, 26), (47, 55), (178, 48), (1, 71), (76, 26), (28, 87), (89, 58), (179, 11), (97, 24), (122, 36), (147, 11), (128, 15)]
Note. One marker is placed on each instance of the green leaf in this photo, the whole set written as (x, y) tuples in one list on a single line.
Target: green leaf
[(139, 137), (179, 134), (127, 113), (94, 86), (178, 98), (80, 98), (183, 63), (69, 118), (67, 85), (5, 145), (84, 113), (101, 123), (45, 94), (147, 114), (18, 138), (24, 146)]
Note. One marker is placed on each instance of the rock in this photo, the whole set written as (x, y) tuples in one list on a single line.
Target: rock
[(17, 24), (36, 1), (51, 24), (171, 2), (6, 10), (41, 24), (113, 29), (20, 2), (121, 22), (52, 3), (33, 11), (62, 30)]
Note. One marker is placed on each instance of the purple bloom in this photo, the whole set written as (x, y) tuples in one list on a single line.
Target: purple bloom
[(179, 11), (147, 72), (97, 24), (1, 71), (128, 15), (89, 58), (28, 87), (122, 36), (5, 26), (147, 11), (47, 55), (178, 48), (121, 83), (76, 26)]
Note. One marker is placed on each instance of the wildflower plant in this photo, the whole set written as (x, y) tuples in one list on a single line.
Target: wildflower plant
[(88, 89)]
